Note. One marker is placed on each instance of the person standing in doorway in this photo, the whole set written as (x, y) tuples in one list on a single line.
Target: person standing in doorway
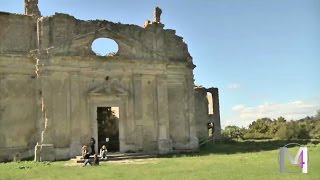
[(92, 143)]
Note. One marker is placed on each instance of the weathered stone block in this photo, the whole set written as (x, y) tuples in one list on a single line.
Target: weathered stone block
[(165, 146), (44, 152), (62, 153)]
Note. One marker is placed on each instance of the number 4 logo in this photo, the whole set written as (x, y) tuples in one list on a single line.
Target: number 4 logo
[(301, 158)]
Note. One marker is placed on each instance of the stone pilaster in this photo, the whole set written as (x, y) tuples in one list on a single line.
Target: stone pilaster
[(47, 136), (138, 130), (164, 142), (44, 151), (75, 116), (129, 110), (194, 141)]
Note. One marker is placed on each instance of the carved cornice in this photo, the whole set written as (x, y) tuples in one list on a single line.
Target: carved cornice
[(109, 87)]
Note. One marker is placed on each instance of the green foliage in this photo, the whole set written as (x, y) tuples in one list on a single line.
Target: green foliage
[(317, 116), (289, 130), (315, 132), (280, 128), (261, 125), (233, 132)]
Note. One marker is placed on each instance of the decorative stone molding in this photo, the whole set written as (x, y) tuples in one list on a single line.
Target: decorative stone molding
[(109, 87)]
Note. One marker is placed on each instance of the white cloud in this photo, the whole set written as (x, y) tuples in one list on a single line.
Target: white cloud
[(238, 107), (233, 86), (290, 110)]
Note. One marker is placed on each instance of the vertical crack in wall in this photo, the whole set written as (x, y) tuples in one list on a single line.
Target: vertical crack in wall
[(43, 120), (39, 95), (37, 68)]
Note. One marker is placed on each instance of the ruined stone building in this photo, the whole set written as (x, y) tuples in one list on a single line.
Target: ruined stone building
[(52, 85)]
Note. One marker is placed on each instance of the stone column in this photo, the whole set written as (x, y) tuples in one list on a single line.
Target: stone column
[(75, 116), (164, 142), (216, 113)]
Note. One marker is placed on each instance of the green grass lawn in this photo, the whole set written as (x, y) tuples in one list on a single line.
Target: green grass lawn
[(210, 163)]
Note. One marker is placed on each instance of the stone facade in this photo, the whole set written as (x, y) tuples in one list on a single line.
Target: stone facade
[(51, 83)]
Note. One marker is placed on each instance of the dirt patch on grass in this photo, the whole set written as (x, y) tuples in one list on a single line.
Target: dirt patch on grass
[(127, 161), (134, 161)]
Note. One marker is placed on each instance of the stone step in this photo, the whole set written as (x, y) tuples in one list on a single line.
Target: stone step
[(118, 157)]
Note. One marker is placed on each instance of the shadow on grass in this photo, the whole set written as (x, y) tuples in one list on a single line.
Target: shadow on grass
[(233, 147)]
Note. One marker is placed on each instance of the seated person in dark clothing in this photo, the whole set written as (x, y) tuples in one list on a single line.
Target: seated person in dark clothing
[(86, 155), (92, 143), (95, 160)]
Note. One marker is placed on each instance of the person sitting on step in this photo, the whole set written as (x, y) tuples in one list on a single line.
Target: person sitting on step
[(103, 152), (86, 155), (95, 160)]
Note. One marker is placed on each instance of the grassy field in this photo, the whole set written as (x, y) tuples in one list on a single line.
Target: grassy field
[(235, 160)]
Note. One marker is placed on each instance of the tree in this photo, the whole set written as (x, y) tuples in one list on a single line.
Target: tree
[(233, 132), (289, 130), (315, 132), (281, 119), (260, 125), (275, 126), (317, 116), (306, 128)]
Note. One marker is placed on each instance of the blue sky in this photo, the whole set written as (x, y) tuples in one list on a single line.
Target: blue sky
[(263, 55)]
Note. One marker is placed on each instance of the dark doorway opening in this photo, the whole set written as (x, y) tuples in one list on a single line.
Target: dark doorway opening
[(108, 128), (210, 127)]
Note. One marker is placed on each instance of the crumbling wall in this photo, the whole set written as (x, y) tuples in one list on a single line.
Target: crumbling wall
[(182, 128), (17, 33), (148, 109), (178, 121), (18, 106), (65, 35), (49, 69), (203, 103), (201, 112), (18, 103)]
